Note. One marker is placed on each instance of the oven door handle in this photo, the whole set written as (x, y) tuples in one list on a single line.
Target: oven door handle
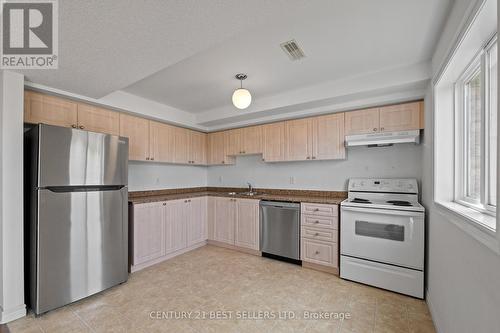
[(381, 211)]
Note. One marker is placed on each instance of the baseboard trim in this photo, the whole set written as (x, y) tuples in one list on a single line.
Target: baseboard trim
[(317, 267), (135, 268), (433, 312), (234, 247), (7, 316)]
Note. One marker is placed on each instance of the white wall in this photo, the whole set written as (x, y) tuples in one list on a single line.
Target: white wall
[(151, 176), (11, 196), (397, 161), (462, 274)]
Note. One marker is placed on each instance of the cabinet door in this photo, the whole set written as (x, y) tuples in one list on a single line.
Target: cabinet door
[(51, 110), (177, 216), (400, 117), (298, 139), (274, 142), (211, 218), (362, 121), (137, 131), (95, 119), (198, 148), (217, 149), (251, 138), (161, 142), (247, 223), (328, 137), (196, 221), (181, 145), (224, 220), (233, 142), (148, 232)]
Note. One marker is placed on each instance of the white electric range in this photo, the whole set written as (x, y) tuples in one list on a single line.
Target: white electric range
[(382, 235)]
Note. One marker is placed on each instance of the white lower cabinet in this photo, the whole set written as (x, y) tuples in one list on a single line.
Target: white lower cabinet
[(319, 235), (234, 221), (163, 229)]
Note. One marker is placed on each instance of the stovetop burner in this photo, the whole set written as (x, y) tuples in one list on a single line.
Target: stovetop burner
[(359, 200), (400, 203)]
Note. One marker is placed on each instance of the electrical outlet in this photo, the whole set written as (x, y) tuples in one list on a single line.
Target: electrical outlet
[(157, 181), (292, 180), (220, 179)]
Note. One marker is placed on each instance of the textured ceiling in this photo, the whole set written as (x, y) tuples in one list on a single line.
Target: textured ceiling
[(106, 45), (341, 39)]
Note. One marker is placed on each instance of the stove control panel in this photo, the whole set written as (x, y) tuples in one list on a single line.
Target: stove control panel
[(388, 185)]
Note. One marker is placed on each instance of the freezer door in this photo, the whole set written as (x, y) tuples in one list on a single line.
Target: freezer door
[(81, 245), (70, 157)]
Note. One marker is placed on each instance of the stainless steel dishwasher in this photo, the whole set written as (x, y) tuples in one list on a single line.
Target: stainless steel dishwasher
[(280, 230)]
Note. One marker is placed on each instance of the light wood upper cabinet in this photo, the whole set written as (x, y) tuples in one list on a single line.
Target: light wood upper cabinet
[(181, 145), (247, 223), (137, 131), (197, 148), (298, 139), (233, 142), (400, 117), (362, 121), (161, 142), (328, 137), (274, 142), (251, 140), (51, 110), (217, 143), (96, 119)]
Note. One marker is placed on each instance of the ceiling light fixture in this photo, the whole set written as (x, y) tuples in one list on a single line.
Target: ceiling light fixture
[(241, 96)]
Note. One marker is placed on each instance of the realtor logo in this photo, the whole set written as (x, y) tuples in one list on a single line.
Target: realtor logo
[(29, 34)]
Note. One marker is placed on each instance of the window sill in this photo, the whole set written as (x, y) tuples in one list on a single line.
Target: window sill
[(479, 225)]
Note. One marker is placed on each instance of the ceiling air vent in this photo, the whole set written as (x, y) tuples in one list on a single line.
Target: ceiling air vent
[(293, 50)]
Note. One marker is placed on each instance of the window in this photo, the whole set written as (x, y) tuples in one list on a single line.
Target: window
[(476, 132)]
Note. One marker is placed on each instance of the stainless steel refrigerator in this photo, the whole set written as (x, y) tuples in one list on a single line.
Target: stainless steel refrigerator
[(76, 214)]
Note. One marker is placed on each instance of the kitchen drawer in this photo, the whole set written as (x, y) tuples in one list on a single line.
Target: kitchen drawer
[(320, 221), (319, 209), (319, 252), (324, 234)]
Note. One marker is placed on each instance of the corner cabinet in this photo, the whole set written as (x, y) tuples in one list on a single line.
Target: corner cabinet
[(162, 230), (234, 221)]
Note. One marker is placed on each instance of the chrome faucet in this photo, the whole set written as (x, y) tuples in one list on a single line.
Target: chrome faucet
[(250, 188)]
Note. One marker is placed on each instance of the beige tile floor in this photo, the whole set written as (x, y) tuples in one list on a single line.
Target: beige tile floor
[(214, 281)]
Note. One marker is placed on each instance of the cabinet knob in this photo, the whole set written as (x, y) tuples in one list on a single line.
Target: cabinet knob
[(317, 252), (316, 221), (74, 126), (147, 158), (189, 200), (223, 162), (81, 127), (381, 128), (314, 157), (316, 209), (243, 152), (316, 234), (308, 158), (375, 129), (164, 204), (152, 159)]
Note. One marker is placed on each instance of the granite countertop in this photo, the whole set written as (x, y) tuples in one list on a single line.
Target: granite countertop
[(322, 197)]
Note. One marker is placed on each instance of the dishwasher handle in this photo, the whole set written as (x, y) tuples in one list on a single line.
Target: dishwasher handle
[(280, 204)]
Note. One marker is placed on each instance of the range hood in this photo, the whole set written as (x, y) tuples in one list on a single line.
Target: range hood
[(382, 139)]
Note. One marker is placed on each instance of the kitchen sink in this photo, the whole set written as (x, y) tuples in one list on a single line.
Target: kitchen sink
[(250, 194)]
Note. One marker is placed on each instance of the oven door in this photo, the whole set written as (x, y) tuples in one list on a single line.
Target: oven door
[(387, 236)]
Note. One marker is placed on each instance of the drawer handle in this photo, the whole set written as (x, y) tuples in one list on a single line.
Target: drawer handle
[(164, 204), (317, 252), (316, 221), (316, 210)]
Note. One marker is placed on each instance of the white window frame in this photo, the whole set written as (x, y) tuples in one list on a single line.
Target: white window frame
[(479, 63)]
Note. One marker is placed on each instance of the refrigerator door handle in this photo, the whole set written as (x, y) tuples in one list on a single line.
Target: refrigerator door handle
[(83, 188)]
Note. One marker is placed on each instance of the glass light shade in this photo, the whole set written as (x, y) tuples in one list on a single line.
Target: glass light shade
[(242, 98)]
